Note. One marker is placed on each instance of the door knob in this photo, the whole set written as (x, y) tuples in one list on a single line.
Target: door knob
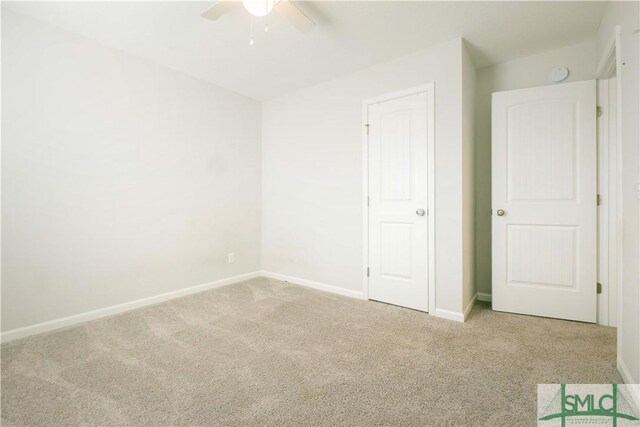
[(501, 212), (420, 212)]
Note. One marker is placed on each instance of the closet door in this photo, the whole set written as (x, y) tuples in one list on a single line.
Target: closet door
[(398, 217), (544, 204)]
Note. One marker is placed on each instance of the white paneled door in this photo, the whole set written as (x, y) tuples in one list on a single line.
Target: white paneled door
[(398, 200), (544, 203)]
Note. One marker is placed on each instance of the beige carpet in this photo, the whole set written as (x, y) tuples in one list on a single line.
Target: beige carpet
[(264, 352)]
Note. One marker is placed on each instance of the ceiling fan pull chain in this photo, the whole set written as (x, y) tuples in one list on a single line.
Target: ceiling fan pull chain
[(266, 17)]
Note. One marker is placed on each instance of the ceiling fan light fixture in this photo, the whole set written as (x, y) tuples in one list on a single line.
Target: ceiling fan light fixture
[(258, 7)]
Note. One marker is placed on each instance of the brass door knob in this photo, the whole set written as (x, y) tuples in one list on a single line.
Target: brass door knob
[(501, 212)]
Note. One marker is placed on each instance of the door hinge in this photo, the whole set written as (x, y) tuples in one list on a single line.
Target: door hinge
[(368, 201), (367, 127), (598, 288), (599, 200), (367, 271), (598, 111)]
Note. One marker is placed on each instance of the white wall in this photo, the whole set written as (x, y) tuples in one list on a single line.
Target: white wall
[(121, 179), (520, 73), (312, 173), (626, 15), (468, 171)]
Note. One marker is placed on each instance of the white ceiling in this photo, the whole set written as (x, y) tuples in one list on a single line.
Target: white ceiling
[(348, 35)]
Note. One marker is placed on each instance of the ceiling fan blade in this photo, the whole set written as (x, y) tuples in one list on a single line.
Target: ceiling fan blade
[(218, 9), (294, 15)]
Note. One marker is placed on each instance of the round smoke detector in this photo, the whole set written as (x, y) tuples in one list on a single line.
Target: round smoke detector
[(559, 74)]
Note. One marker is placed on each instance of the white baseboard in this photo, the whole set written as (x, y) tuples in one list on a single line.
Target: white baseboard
[(52, 325), (484, 297), (448, 314), (469, 306), (314, 285), (445, 314), (634, 386), (454, 315)]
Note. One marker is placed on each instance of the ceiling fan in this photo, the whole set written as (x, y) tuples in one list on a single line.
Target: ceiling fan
[(285, 8)]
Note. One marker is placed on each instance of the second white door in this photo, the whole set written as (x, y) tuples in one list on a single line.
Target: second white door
[(398, 201), (544, 201)]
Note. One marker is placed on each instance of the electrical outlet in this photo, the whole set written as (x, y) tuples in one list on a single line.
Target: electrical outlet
[(231, 257)]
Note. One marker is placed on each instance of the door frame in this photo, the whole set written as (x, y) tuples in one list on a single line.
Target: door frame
[(427, 88), (609, 255)]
